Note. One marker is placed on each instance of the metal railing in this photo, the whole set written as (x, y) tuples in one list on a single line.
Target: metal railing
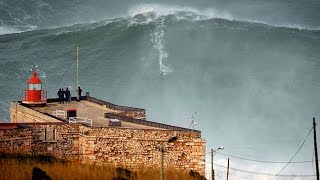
[(24, 95), (44, 95), (81, 120), (57, 113)]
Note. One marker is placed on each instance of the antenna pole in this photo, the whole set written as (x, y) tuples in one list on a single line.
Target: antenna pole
[(315, 147), (78, 65), (78, 98), (78, 70), (192, 122)]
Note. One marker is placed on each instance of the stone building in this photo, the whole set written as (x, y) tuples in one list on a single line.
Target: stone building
[(98, 132)]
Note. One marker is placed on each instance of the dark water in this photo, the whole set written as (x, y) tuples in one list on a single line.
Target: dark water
[(250, 70)]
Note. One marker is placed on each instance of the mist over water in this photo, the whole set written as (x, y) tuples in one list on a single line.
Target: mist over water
[(250, 70)]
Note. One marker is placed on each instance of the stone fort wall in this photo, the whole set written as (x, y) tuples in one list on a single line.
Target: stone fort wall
[(23, 114), (129, 148), (58, 139)]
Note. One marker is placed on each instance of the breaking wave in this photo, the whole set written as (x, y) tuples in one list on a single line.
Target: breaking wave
[(147, 13), (236, 73)]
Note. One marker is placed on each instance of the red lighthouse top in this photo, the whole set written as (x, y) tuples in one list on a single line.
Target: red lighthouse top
[(34, 95), (34, 79)]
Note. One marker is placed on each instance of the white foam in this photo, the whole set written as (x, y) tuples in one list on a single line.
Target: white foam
[(164, 10), (8, 30), (156, 39), (288, 25), (195, 14)]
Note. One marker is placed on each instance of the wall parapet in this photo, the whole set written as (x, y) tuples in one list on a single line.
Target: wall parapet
[(148, 123), (114, 106), (21, 113)]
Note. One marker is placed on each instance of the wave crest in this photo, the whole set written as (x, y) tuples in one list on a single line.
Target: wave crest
[(154, 11), (8, 30), (181, 12)]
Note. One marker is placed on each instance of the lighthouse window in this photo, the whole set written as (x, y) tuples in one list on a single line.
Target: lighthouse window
[(34, 86)]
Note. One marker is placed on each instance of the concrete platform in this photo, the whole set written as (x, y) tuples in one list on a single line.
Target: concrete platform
[(90, 110)]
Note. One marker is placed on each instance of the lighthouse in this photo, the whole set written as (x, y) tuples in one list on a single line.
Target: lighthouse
[(34, 95)]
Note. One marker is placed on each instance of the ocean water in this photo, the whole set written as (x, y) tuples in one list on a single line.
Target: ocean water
[(250, 70)]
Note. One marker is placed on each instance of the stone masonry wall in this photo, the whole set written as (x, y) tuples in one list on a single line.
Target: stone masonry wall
[(22, 114), (134, 114), (61, 141), (15, 140), (134, 148), (130, 148)]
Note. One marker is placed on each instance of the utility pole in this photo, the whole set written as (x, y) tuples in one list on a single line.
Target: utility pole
[(213, 151), (124, 156), (315, 147), (162, 163), (228, 170), (212, 170), (171, 140)]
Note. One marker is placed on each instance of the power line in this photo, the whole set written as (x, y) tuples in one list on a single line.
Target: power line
[(253, 177), (61, 78), (231, 174), (239, 176), (293, 155), (261, 161), (261, 173)]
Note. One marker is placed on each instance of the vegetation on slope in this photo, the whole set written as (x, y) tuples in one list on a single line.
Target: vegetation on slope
[(23, 167)]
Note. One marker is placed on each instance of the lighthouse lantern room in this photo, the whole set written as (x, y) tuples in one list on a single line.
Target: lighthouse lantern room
[(34, 95)]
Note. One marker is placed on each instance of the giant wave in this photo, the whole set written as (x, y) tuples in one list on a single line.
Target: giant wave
[(250, 82), (150, 12)]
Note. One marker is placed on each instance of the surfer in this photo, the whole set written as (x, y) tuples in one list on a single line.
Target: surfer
[(161, 73)]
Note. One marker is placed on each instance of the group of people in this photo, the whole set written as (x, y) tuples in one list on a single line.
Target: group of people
[(65, 95)]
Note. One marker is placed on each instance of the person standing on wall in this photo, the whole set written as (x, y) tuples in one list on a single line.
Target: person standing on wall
[(68, 95), (79, 91), (60, 96)]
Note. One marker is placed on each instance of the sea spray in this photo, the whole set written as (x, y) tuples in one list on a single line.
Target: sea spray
[(157, 40)]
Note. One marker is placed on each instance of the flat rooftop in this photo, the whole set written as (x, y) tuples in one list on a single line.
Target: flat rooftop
[(89, 110)]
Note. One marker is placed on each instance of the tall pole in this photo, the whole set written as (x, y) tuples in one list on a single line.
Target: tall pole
[(124, 156), (78, 71), (78, 65), (228, 170), (212, 170), (78, 98), (315, 147), (162, 163)]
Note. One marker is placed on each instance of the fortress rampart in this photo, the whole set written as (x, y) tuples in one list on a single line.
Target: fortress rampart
[(134, 144), (130, 148)]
